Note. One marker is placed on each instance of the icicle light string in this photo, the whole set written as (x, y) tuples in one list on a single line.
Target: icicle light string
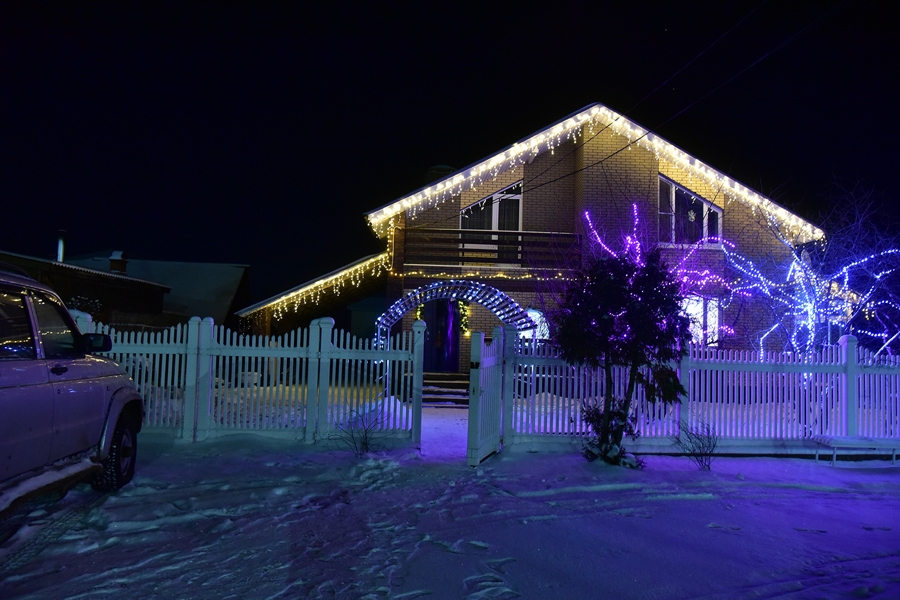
[(596, 115)]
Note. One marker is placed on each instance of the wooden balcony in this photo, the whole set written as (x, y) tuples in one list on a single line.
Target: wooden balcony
[(529, 250)]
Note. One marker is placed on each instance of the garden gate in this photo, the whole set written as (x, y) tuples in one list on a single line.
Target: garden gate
[(488, 381)]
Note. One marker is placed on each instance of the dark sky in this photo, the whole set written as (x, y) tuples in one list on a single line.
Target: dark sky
[(259, 133)]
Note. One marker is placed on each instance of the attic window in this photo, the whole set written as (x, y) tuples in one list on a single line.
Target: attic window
[(685, 217), (498, 212)]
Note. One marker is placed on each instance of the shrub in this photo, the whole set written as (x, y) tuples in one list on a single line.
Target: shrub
[(699, 443)]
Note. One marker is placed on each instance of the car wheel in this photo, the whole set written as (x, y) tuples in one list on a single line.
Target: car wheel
[(118, 468)]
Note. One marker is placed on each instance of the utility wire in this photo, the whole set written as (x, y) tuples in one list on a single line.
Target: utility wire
[(677, 114), (654, 90), (706, 95)]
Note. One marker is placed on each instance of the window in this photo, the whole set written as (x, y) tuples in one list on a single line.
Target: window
[(684, 217), (497, 212), (704, 315), (16, 340), (57, 333), (541, 332), (501, 211)]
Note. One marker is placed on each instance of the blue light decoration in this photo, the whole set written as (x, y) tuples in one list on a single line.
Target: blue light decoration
[(701, 283), (504, 307), (811, 300), (815, 300)]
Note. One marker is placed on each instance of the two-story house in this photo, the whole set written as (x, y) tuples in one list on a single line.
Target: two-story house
[(491, 242)]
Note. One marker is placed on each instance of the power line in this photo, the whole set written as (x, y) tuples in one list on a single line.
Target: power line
[(784, 43)]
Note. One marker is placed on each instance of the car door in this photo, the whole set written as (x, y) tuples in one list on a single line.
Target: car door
[(26, 395), (79, 386)]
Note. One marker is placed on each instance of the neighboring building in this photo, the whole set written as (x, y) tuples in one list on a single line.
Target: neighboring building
[(196, 289), (108, 297), (514, 224)]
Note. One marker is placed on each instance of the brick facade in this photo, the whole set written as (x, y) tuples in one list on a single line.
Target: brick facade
[(605, 175), (591, 169)]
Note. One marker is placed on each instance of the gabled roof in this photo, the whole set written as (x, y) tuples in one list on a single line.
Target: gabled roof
[(352, 274), (84, 269), (206, 289), (594, 117)]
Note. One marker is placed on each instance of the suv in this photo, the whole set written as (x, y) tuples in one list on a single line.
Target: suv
[(64, 412)]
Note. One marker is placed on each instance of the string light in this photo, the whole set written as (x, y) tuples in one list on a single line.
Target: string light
[(811, 298), (548, 139), (312, 293), (504, 307), (464, 318), (693, 282)]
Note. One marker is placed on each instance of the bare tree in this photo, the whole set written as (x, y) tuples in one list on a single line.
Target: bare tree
[(814, 292)]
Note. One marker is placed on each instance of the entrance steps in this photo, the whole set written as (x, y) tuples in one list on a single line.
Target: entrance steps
[(445, 388)]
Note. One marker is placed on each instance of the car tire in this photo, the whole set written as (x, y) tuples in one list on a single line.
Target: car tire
[(118, 468)]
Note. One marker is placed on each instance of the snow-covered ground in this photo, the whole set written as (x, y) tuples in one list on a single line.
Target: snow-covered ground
[(245, 517)]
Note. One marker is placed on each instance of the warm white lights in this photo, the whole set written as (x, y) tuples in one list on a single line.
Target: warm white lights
[(553, 136), (310, 293)]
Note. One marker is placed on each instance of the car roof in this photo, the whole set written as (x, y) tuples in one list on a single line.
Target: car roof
[(13, 276)]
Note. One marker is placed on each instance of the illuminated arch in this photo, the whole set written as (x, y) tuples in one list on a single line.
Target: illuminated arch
[(506, 309)]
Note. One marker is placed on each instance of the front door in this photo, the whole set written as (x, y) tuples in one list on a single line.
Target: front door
[(441, 336)]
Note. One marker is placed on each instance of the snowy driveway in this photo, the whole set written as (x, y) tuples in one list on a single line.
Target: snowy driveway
[(249, 518)]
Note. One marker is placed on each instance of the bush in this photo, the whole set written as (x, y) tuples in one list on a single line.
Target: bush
[(362, 432), (699, 443)]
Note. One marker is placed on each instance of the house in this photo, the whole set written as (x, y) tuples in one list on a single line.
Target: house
[(110, 297), (489, 243), (195, 289)]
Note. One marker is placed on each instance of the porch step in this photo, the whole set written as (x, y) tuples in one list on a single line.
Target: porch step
[(445, 388)]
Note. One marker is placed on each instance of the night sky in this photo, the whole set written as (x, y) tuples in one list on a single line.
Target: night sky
[(261, 133)]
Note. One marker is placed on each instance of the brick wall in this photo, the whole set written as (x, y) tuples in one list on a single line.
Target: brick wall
[(548, 201), (615, 176), (602, 174)]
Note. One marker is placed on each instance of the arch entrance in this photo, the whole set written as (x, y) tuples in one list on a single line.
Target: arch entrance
[(464, 440), (505, 308)]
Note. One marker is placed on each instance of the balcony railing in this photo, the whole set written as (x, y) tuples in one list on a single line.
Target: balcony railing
[(473, 247)]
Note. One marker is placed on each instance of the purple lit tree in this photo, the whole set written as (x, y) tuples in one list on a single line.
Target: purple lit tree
[(623, 310)]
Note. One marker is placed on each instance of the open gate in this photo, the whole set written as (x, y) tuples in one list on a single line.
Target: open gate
[(489, 384)]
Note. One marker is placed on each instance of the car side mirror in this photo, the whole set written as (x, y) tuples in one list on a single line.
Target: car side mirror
[(96, 342)]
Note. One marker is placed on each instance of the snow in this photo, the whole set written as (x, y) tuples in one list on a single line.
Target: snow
[(250, 517), (22, 486)]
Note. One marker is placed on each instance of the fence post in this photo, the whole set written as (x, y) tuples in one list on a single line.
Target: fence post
[(418, 355), (508, 360), (85, 323), (205, 395), (325, 325), (311, 395), (190, 383), (849, 377), (684, 367), (475, 392)]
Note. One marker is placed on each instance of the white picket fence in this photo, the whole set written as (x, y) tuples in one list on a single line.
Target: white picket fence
[(758, 400), (203, 380)]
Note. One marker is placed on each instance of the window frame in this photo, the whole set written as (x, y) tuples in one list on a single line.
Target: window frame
[(672, 237), (708, 307), (32, 343), (59, 309), (495, 199), (493, 242)]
